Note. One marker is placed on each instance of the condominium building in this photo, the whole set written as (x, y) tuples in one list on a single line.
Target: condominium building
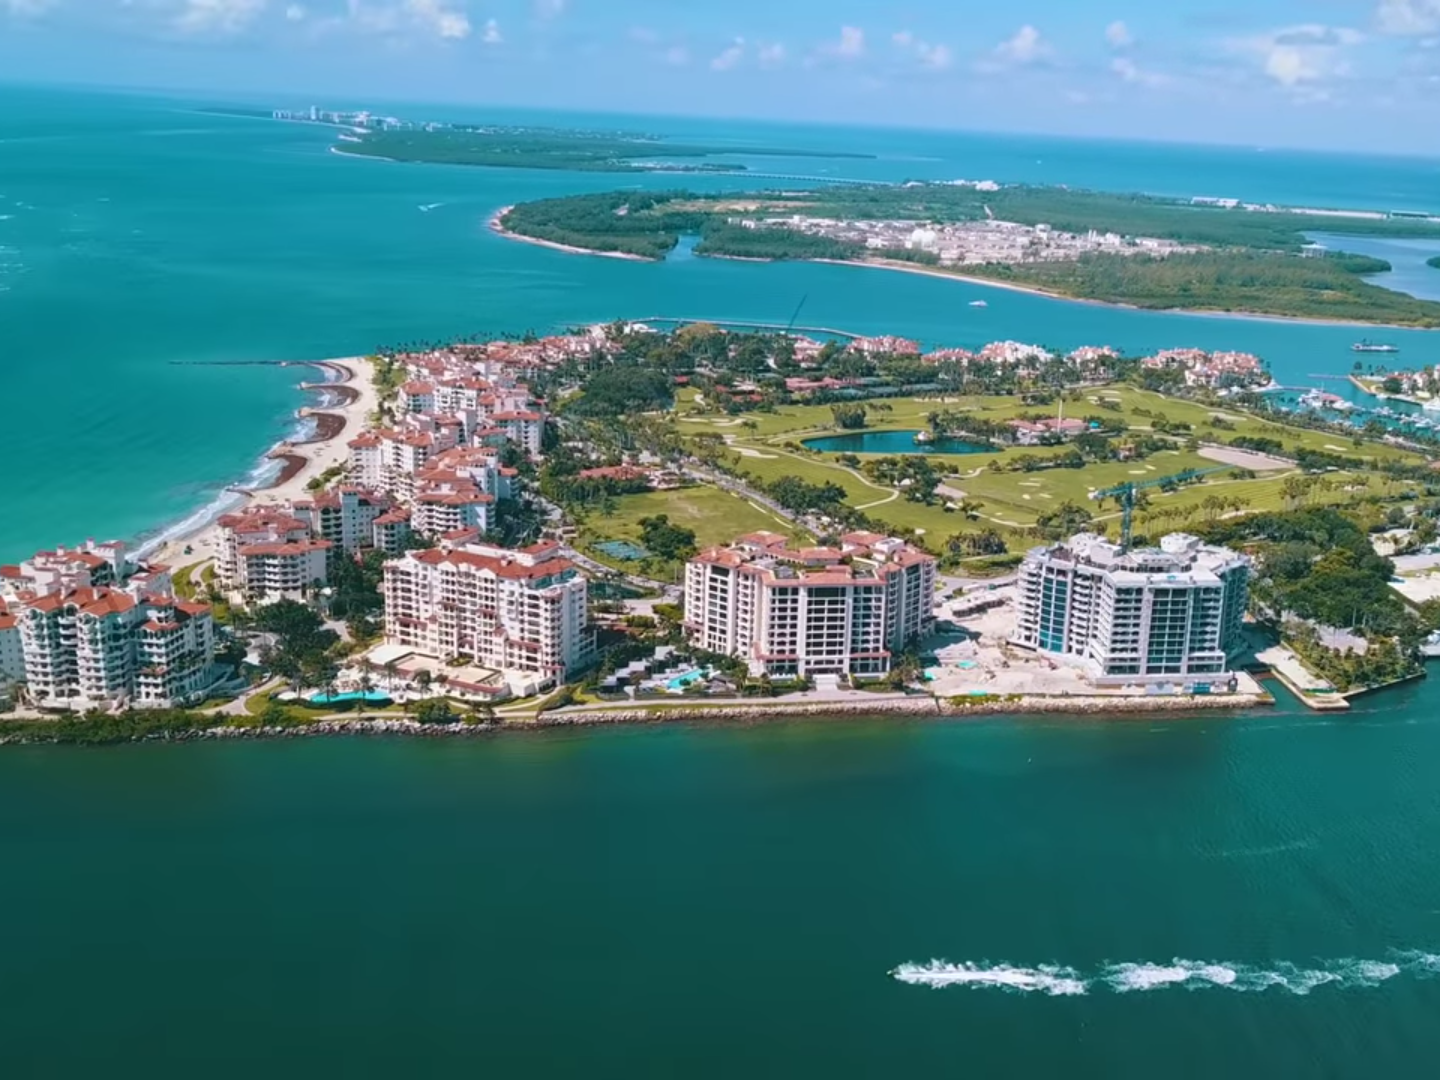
[(89, 564), (391, 531), (1165, 614), (522, 611), (174, 650), (267, 553), (345, 517), (103, 647), (12, 654), (793, 612)]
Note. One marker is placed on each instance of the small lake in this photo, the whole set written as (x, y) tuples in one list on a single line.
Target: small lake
[(891, 442)]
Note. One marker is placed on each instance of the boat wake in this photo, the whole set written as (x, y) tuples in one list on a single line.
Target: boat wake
[(1124, 978)]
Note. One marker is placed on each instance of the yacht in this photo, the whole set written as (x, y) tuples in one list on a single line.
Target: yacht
[(1366, 345)]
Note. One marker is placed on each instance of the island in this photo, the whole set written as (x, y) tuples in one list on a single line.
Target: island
[(572, 151), (522, 532), (1435, 262), (1135, 250), (508, 146)]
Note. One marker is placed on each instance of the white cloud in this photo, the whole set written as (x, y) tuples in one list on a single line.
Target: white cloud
[(217, 16), (850, 45), (676, 56), (771, 56), (1025, 47), (549, 9), (27, 8), (1300, 57), (1130, 72), (440, 17), (1118, 35), (729, 57), (1408, 17), (295, 13), (935, 57), (491, 34)]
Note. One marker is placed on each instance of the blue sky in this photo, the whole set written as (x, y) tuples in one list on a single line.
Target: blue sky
[(1357, 74)]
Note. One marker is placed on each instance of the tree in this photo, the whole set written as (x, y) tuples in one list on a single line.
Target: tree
[(665, 540), (1065, 520), (423, 679), (848, 417), (435, 711)]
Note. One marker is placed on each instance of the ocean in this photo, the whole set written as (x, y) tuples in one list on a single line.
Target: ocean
[(1211, 896), (139, 234)]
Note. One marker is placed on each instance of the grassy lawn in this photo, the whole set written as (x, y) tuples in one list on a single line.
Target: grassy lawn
[(716, 516)]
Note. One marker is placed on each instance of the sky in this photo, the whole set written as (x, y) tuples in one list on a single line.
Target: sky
[(1326, 74)]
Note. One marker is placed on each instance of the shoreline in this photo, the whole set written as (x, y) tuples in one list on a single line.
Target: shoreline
[(729, 714), (971, 279), (1359, 384), (1117, 305), (494, 224), (286, 468)]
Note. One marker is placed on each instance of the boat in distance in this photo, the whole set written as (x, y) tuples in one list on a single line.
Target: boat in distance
[(1370, 346)]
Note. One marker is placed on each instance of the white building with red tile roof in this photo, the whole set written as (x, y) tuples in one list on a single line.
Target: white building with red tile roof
[(12, 653), (800, 612), (101, 647), (521, 611), (267, 553), (89, 564), (345, 516)]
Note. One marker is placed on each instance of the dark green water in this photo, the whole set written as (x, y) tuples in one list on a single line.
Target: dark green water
[(728, 902)]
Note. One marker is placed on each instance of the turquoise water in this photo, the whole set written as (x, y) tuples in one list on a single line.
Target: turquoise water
[(721, 902), (1409, 272), (891, 442), (137, 232), (373, 696), (680, 682)]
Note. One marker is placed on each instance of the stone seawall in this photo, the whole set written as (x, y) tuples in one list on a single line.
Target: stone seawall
[(738, 713)]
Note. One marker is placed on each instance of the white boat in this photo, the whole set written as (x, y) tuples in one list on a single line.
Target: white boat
[(1433, 405), (979, 303)]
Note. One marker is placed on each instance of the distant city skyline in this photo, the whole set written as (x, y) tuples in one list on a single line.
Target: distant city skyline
[(1343, 74)]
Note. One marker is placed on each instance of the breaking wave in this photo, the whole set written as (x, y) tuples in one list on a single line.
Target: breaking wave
[(1054, 980)]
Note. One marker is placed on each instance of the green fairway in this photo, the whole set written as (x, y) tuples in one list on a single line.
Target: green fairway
[(716, 516), (765, 446)]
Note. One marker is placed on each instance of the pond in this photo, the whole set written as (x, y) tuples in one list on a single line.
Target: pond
[(892, 442)]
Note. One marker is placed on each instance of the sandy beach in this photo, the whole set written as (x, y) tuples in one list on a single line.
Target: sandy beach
[(499, 230), (351, 399)]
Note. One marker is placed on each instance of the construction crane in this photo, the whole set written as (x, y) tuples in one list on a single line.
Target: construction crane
[(1125, 494)]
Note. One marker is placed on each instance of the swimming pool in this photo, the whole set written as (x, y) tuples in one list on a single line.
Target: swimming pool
[(680, 682), (370, 697)]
